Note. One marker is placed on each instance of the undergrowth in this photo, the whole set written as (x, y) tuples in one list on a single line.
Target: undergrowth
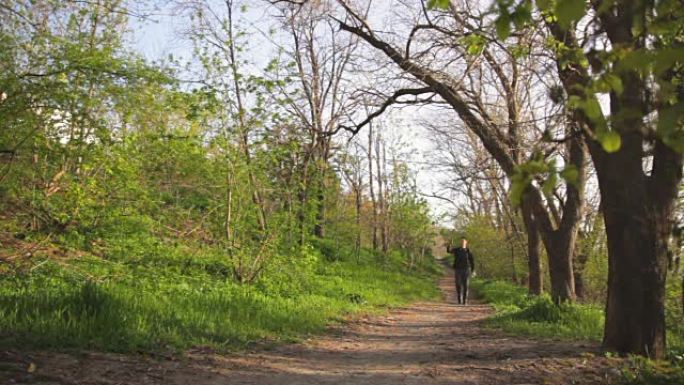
[(539, 316), (170, 297), (521, 314)]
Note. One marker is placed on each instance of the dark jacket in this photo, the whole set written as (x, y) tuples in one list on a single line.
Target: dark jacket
[(463, 258)]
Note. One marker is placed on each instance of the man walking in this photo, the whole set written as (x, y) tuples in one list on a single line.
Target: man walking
[(464, 264)]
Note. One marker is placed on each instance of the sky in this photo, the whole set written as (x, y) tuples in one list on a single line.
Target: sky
[(160, 35)]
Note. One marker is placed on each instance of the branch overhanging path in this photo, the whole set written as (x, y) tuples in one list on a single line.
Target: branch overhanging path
[(425, 343)]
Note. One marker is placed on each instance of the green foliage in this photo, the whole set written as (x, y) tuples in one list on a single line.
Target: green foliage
[(474, 43), (166, 218), (568, 12), (659, 22), (519, 313), (541, 170), (496, 255), (642, 371), (165, 298), (539, 316), (438, 4)]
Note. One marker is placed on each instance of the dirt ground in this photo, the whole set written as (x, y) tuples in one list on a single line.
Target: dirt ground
[(426, 343)]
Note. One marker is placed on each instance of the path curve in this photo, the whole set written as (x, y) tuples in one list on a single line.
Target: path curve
[(425, 343)]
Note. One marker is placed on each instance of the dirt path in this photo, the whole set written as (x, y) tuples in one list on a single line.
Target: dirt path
[(427, 343)]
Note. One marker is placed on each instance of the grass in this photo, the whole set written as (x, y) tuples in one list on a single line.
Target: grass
[(520, 314), (539, 316), (173, 300)]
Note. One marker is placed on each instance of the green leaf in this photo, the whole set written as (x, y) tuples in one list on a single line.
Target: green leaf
[(518, 186), (639, 60), (671, 126), (666, 58), (438, 4), (610, 140), (569, 11), (474, 44), (503, 26), (593, 109), (522, 14), (544, 5), (550, 183), (570, 174), (615, 83)]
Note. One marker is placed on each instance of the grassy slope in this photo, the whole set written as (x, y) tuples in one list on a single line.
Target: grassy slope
[(175, 297)]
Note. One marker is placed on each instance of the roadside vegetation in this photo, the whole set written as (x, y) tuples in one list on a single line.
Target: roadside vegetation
[(519, 313), (142, 211), (177, 298)]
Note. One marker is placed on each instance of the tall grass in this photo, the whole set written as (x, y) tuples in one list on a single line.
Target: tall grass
[(173, 301)]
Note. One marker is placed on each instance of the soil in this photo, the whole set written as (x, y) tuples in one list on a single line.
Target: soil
[(425, 343)]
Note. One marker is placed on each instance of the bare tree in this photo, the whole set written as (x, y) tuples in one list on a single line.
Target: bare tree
[(322, 56), (464, 76)]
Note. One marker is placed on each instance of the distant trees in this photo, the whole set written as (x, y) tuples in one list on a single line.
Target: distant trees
[(486, 83), (104, 152), (626, 52)]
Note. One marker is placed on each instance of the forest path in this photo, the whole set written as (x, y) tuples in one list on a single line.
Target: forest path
[(425, 343)]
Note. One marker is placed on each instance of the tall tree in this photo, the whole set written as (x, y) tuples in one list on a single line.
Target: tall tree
[(462, 87), (631, 52), (322, 58)]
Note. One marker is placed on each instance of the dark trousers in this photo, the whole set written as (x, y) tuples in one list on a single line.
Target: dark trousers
[(462, 276)]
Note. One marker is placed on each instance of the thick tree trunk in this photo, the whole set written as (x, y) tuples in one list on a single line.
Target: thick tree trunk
[(638, 217), (560, 237), (559, 243), (635, 310), (560, 250), (535, 281)]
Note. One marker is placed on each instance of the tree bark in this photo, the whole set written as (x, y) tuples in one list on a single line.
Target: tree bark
[(374, 219), (560, 253), (535, 281), (381, 195), (319, 226), (579, 265), (638, 217)]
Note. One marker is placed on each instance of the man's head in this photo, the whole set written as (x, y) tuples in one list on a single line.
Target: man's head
[(464, 242)]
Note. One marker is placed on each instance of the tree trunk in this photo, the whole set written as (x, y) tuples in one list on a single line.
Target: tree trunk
[(579, 265), (638, 217), (635, 308), (535, 282), (560, 249), (560, 237), (357, 245), (514, 273), (319, 227), (381, 195), (386, 213), (374, 223)]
